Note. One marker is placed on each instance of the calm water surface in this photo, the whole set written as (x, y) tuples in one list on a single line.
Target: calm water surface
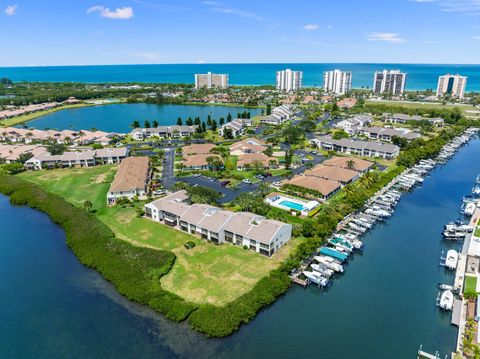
[(119, 117), (51, 306), (420, 76)]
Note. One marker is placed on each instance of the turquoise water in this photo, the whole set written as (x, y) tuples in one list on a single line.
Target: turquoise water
[(419, 76), (119, 117), (292, 205), (382, 307)]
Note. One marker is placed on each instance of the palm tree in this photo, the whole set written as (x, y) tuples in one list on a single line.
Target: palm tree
[(351, 164)]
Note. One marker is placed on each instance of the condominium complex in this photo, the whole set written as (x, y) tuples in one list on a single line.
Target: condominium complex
[(453, 85), (389, 82), (337, 82), (210, 80), (288, 80), (219, 226)]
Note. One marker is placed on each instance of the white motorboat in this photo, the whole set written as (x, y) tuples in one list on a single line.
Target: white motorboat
[(446, 287), (323, 270), (470, 209), (451, 260), (330, 263), (446, 300), (316, 278)]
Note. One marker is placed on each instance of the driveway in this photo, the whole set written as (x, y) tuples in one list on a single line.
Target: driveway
[(168, 176)]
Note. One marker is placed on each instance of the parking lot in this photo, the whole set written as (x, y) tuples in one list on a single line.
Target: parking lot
[(229, 194)]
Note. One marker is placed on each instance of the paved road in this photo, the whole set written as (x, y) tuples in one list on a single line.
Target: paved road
[(168, 174)]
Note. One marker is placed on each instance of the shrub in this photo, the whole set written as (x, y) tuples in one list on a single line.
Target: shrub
[(189, 245)]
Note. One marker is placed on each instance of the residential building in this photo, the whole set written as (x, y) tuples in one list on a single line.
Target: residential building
[(347, 103), (357, 147), (353, 125), (131, 179), (390, 82), (351, 163), (13, 153), (249, 145), (337, 82), (451, 85), (200, 162), (311, 187), (174, 131), (89, 158), (237, 127), (387, 134), (198, 149), (82, 137), (219, 226), (404, 118), (210, 80), (252, 160), (339, 174), (279, 115), (288, 80)]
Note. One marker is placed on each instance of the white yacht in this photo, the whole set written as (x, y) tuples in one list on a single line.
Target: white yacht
[(446, 300), (323, 270), (330, 263), (470, 209), (451, 260), (316, 278)]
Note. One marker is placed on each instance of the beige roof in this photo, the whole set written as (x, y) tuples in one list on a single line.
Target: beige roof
[(342, 162), (206, 216), (249, 145), (174, 203), (324, 186), (77, 156), (254, 227), (13, 152), (347, 102), (250, 158), (198, 149), (132, 174), (198, 160), (112, 152), (332, 173)]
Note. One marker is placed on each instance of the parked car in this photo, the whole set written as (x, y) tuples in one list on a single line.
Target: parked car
[(159, 192), (197, 175), (277, 184), (260, 177), (247, 181), (224, 183), (268, 174)]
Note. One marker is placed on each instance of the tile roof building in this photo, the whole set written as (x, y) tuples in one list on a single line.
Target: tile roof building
[(339, 174), (219, 226), (249, 145), (249, 160), (359, 165), (358, 147), (174, 131), (131, 179), (311, 187)]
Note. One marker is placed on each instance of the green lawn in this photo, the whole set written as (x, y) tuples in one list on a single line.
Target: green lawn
[(426, 105), (477, 232), (204, 274), (470, 287)]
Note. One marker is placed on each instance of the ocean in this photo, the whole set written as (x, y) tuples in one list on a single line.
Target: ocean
[(420, 76)]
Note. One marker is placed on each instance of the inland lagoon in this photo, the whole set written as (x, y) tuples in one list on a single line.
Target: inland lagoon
[(119, 117)]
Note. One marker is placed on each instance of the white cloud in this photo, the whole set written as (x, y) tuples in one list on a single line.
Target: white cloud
[(466, 7), (10, 10), (384, 36), (217, 6), (200, 61), (150, 56), (121, 13), (310, 27)]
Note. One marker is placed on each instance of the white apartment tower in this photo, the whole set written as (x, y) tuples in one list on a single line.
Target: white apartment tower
[(453, 85), (389, 82), (210, 80), (288, 80), (337, 82)]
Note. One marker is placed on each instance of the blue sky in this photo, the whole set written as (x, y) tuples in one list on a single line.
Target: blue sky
[(85, 32)]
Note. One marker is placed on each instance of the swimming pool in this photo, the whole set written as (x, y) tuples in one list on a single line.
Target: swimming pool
[(292, 205)]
